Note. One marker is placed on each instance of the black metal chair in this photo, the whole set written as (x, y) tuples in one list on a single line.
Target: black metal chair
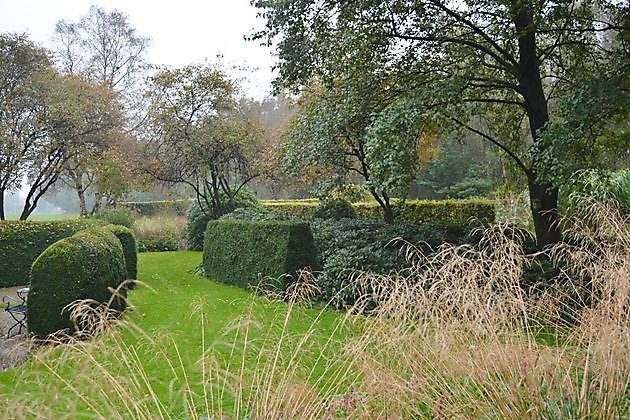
[(17, 309)]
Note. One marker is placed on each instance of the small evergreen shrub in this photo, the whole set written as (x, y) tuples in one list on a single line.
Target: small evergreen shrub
[(82, 266), (21, 242), (240, 252), (130, 249), (198, 219), (336, 209)]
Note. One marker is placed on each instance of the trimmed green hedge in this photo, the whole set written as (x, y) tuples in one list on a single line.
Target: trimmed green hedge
[(21, 242), (409, 211), (130, 248), (82, 266), (235, 252), (302, 209), (431, 211), (151, 208)]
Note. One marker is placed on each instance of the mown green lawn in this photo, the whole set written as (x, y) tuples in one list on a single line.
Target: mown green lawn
[(44, 216), (177, 318)]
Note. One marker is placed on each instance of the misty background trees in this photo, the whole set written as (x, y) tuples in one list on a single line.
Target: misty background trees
[(391, 99)]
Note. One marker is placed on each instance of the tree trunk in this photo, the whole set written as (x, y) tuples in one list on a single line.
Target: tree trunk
[(82, 207), (98, 198), (2, 216), (544, 206), (386, 206), (78, 186), (543, 196)]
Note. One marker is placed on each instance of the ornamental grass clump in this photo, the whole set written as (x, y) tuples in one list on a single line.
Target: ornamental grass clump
[(452, 336)]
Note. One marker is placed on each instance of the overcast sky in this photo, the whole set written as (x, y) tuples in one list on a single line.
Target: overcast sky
[(182, 31)]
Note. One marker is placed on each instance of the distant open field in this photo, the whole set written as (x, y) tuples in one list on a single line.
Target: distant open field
[(44, 216)]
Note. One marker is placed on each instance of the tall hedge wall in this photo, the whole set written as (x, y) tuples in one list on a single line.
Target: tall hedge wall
[(235, 252), (409, 211), (82, 266), (21, 242), (151, 208)]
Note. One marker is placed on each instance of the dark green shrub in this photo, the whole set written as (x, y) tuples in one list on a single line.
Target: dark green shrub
[(198, 219), (130, 249), (152, 208), (348, 245), (21, 242), (118, 216), (236, 252), (336, 208), (82, 266)]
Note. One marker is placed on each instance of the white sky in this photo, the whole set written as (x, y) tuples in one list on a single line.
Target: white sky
[(182, 31)]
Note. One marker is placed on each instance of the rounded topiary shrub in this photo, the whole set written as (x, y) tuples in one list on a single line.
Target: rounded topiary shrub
[(336, 208), (83, 266), (130, 248)]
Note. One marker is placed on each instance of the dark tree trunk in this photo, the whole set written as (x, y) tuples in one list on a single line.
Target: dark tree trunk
[(543, 197), (98, 200), (82, 207), (386, 206), (544, 205), (2, 216)]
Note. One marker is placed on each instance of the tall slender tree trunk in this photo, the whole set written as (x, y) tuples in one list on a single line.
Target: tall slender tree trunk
[(98, 199), (2, 216), (543, 197), (82, 207)]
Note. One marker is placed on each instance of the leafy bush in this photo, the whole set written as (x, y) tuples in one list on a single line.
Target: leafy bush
[(130, 249), (198, 219), (336, 208), (236, 252), (352, 192), (348, 245), (160, 233), (82, 266), (117, 216), (611, 188), (153, 208), (21, 242)]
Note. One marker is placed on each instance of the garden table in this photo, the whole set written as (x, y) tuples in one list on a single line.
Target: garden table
[(17, 309)]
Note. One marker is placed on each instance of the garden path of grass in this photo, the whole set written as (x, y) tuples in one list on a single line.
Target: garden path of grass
[(169, 313)]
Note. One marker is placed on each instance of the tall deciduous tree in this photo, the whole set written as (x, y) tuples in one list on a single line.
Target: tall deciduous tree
[(21, 63), (104, 47), (504, 63), (199, 138), (337, 129)]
